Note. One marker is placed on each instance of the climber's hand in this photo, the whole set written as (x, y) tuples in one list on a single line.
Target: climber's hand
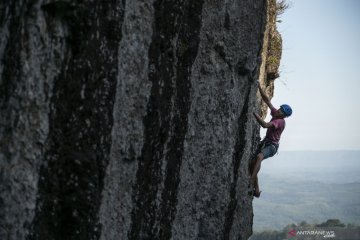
[(262, 122)]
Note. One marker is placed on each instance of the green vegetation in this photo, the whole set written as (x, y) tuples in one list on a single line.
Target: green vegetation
[(331, 223), (281, 7), (274, 49)]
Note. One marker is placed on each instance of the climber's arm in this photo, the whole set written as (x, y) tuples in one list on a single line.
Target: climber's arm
[(262, 122), (265, 97)]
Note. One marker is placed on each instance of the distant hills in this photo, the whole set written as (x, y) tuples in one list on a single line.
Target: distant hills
[(311, 186), (330, 229)]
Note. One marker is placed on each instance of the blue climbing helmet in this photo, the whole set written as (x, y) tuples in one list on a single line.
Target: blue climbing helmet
[(286, 109)]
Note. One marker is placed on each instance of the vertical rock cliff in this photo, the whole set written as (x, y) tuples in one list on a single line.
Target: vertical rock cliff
[(129, 119), (272, 50)]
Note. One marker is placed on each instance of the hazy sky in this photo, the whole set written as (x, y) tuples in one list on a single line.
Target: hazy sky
[(320, 75)]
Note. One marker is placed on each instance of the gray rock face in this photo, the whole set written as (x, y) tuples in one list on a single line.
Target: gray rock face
[(128, 119)]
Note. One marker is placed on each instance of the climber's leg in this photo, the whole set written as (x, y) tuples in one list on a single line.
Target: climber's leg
[(256, 168), (252, 166), (266, 152), (257, 191)]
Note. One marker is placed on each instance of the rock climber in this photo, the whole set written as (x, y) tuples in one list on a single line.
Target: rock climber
[(270, 144)]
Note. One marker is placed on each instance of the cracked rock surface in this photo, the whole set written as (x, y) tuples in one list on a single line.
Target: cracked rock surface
[(128, 119)]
